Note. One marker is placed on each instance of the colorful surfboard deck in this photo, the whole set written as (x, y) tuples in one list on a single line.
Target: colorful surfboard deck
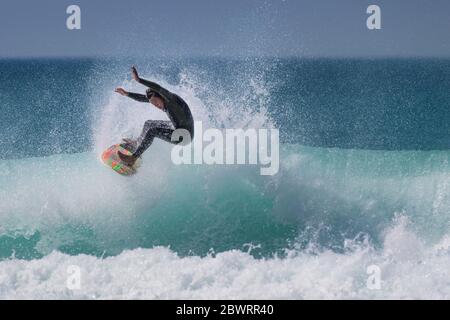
[(112, 160)]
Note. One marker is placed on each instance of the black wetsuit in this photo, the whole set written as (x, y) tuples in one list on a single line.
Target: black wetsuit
[(176, 109)]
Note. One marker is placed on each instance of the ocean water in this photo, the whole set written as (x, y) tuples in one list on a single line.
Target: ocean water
[(363, 181)]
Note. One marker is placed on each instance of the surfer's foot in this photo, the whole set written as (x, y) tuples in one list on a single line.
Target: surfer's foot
[(129, 141), (129, 160), (129, 144)]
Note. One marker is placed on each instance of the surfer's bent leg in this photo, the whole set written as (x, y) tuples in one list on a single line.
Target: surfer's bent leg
[(153, 129)]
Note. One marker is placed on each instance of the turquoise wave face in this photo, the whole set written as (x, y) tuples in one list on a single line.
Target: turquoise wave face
[(74, 204)]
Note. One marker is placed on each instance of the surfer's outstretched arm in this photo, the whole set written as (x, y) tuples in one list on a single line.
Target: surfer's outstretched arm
[(137, 97), (150, 84), (132, 95)]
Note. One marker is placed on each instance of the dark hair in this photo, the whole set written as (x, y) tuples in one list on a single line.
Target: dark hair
[(150, 93)]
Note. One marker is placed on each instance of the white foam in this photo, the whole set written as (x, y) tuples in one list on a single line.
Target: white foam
[(159, 273)]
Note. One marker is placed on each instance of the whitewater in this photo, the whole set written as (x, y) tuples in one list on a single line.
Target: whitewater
[(215, 232)]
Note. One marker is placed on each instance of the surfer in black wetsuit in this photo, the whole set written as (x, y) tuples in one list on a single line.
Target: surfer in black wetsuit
[(176, 109)]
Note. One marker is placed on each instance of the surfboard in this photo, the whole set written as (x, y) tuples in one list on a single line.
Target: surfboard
[(111, 158)]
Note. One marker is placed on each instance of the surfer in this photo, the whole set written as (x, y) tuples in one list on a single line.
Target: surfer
[(176, 109)]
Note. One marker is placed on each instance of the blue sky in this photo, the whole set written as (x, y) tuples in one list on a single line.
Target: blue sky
[(335, 28)]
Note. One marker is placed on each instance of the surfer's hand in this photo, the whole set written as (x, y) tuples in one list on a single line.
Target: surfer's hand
[(121, 91), (134, 73)]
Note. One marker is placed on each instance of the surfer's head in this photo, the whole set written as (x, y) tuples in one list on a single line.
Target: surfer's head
[(155, 98)]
